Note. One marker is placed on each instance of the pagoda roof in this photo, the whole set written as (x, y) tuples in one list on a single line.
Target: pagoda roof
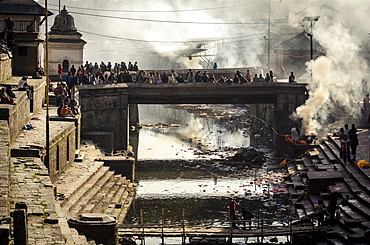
[(300, 43), (22, 7)]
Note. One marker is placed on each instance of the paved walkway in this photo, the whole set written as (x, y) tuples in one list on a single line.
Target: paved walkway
[(30, 183)]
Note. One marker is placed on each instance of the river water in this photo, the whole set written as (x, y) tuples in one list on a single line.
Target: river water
[(179, 174)]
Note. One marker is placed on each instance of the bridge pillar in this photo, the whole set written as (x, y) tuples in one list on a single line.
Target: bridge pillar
[(105, 109), (285, 105)]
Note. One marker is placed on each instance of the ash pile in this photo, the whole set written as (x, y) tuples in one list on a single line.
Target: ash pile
[(247, 157)]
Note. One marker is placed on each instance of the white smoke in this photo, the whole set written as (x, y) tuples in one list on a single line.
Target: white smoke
[(337, 79), (341, 31), (155, 48)]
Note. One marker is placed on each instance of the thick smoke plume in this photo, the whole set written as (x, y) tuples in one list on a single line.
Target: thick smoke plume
[(161, 45), (337, 78)]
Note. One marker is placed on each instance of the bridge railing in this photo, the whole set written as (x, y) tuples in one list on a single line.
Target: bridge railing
[(259, 227)]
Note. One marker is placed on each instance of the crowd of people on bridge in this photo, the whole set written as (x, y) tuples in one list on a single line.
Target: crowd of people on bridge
[(97, 74)]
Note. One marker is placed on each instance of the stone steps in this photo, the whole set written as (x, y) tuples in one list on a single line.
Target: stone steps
[(100, 197), (76, 177), (351, 225), (307, 161), (81, 189), (117, 199), (90, 187), (126, 201), (335, 241), (335, 148), (89, 193), (330, 154), (100, 207)]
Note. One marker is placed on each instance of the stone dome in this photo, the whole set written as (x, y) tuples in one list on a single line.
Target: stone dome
[(63, 22)]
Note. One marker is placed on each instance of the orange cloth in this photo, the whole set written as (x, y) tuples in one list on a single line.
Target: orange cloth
[(287, 138), (283, 162), (64, 111)]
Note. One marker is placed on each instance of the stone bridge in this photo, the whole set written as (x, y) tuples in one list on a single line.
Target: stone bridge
[(107, 110)]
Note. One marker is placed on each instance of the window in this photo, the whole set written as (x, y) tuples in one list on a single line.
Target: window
[(65, 66)]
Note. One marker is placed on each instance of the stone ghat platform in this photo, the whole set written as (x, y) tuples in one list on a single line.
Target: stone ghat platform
[(320, 173), (75, 182), (37, 197)]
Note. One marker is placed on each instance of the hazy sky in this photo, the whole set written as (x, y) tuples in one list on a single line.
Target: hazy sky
[(148, 31)]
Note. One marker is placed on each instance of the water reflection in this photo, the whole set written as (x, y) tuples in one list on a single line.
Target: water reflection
[(173, 177), (193, 133)]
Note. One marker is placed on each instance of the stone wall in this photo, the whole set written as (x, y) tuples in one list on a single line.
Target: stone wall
[(62, 151), (16, 115), (38, 93), (105, 109), (62, 138), (4, 181), (5, 67), (19, 115)]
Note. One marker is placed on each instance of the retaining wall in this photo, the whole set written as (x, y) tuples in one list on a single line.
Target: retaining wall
[(5, 67), (4, 182)]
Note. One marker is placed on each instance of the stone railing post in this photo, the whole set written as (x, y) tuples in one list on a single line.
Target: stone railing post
[(20, 227)]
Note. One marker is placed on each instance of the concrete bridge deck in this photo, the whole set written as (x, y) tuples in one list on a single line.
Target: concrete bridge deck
[(201, 93)]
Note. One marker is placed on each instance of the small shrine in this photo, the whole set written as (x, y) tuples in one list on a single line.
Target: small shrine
[(65, 43)]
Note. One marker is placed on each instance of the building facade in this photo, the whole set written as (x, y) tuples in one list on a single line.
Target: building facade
[(65, 44), (26, 17)]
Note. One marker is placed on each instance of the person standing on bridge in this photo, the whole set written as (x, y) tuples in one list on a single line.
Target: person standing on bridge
[(255, 78), (232, 208), (268, 78), (190, 78), (171, 78), (187, 74), (164, 78), (248, 76), (198, 77), (247, 217), (261, 78), (292, 78), (136, 67), (271, 76), (205, 77)]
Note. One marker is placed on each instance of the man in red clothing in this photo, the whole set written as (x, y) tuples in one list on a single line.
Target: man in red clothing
[(232, 208), (345, 144), (60, 72)]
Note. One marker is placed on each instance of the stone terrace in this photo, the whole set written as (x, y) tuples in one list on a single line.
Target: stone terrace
[(30, 184), (320, 173)]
